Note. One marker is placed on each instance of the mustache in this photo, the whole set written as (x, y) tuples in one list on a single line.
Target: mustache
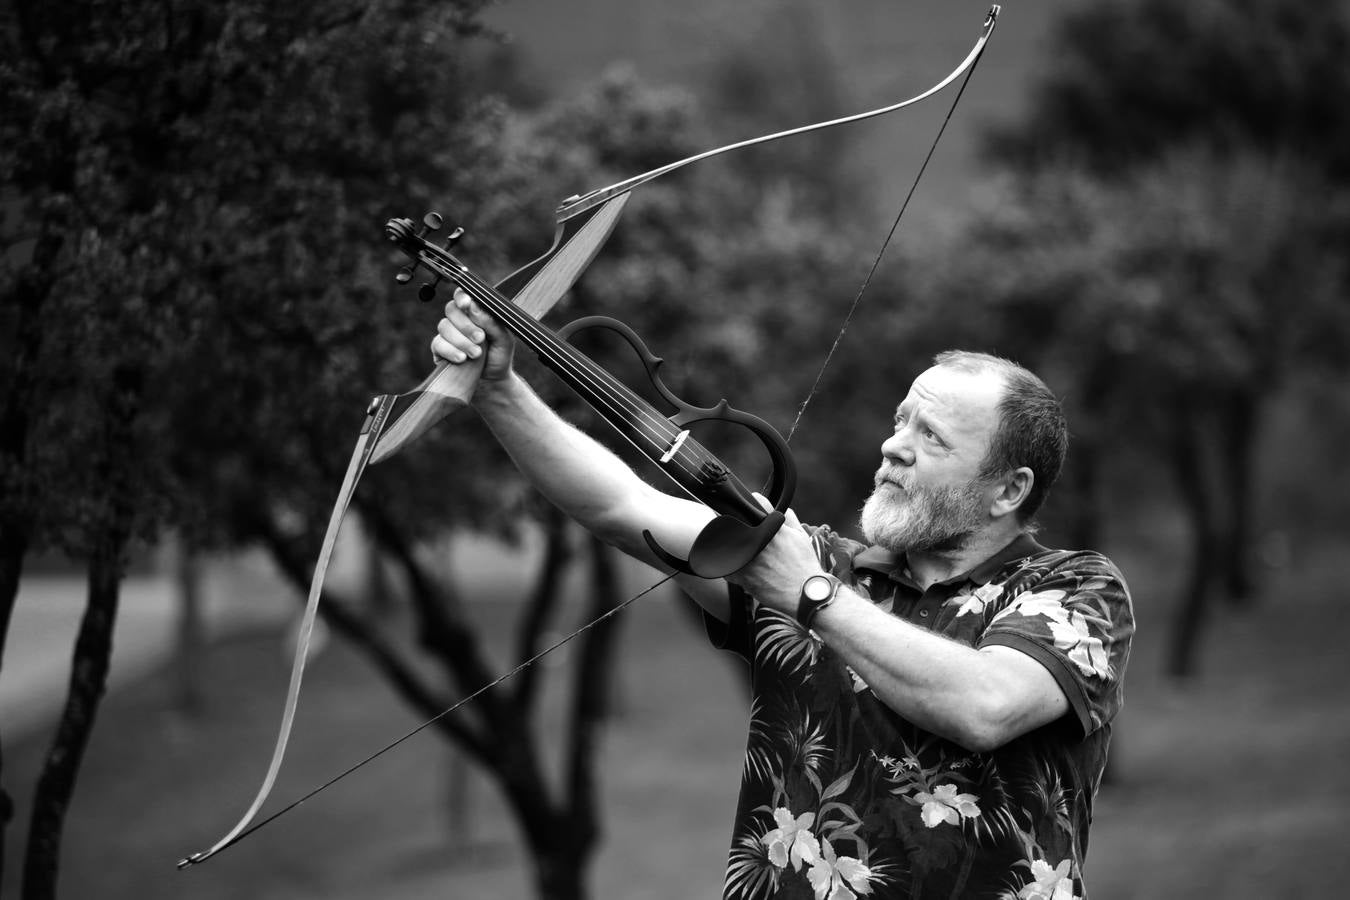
[(890, 474)]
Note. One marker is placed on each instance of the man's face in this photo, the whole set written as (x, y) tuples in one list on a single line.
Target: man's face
[(928, 494)]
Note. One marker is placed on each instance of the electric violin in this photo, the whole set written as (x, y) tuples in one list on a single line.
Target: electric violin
[(742, 527)]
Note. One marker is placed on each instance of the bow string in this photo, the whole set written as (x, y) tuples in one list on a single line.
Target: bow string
[(393, 421)]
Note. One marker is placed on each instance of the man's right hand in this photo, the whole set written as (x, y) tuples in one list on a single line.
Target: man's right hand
[(466, 332)]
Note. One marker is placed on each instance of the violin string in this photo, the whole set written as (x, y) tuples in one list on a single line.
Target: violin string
[(601, 380), (547, 345), (617, 396)]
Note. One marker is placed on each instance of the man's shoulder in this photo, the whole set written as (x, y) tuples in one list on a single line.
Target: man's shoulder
[(1040, 562)]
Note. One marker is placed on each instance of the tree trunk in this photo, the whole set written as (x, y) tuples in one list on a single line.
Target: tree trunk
[(1084, 470), (563, 850), (379, 590), (1237, 448), (1197, 494), (88, 679), (29, 293), (559, 875), (13, 546), (543, 601)]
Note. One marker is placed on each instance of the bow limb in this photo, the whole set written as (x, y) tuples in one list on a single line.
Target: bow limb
[(584, 223), (376, 418), (574, 206), (395, 420)]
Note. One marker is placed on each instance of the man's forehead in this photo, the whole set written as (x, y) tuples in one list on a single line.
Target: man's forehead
[(952, 391)]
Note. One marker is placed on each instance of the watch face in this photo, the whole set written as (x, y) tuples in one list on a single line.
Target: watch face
[(817, 587)]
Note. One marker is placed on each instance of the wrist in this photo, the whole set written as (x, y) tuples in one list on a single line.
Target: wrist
[(500, 392)]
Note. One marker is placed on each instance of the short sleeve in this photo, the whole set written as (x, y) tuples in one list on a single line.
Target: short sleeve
[(1078, 622)]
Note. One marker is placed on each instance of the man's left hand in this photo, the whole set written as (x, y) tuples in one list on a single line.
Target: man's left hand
[(775, 576)]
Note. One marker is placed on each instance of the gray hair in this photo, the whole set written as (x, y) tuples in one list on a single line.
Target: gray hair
[(1031, 428)]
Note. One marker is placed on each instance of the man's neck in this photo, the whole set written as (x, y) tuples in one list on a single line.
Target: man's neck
[(929, 567)]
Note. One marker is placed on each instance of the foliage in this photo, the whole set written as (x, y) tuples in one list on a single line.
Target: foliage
[(1130, 80), (1167, 251)]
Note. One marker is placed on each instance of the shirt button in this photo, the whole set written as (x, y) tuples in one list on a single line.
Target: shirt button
[(923, 614)]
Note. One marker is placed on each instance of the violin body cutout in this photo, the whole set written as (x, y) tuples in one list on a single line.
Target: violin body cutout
[(729, 542)]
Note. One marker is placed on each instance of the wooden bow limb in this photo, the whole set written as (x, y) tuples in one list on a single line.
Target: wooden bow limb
[(575, 206), (395, 420)]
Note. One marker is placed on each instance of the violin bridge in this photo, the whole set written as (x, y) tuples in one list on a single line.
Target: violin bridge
[(675, 446)]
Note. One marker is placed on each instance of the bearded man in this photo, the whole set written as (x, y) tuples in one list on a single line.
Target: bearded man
[(932, 709)]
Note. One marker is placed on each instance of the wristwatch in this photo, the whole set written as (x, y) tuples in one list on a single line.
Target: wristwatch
[(817, 593)]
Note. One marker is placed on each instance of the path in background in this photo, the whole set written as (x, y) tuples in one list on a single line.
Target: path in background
[(238, 593)]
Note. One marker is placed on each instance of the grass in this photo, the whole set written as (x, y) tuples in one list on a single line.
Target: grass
[(1231, 786)]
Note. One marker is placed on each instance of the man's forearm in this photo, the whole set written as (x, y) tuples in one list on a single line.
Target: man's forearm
[(579, 475), (978, 698)]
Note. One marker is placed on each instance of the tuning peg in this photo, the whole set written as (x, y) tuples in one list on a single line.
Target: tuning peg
[(427, 292), (454, 237), (431, 223), (404, 275)]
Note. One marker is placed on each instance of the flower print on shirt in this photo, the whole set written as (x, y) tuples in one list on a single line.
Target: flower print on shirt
[(946, 805), (974, 602), (838, 877), (1048, 883), (792, 842), (1068, 627)]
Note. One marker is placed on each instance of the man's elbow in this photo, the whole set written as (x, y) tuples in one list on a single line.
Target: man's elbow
[(992, 720)]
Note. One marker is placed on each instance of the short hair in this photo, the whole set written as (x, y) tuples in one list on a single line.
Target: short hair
[(1031, 428)]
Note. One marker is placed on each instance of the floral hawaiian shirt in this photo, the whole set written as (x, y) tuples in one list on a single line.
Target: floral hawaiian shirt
[(842, 798)]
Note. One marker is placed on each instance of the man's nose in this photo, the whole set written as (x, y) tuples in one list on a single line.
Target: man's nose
[(898, 447)]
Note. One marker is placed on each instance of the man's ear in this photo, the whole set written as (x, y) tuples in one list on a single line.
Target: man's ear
[(1011, 491)]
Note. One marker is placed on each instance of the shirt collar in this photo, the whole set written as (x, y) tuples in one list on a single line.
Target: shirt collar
[(894, 566)]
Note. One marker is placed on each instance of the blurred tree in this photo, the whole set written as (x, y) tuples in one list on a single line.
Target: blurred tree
[(131, 133), (1172, 307), (779, 76), (1128, 81), (1210, 128), (195, 283)]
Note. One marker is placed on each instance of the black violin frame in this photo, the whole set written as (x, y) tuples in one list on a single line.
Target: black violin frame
[(743, 526)]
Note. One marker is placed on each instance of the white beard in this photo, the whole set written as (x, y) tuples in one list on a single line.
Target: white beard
[(922, 519)]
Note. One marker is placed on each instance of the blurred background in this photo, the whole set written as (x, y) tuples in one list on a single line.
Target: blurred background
[(1143, 200)]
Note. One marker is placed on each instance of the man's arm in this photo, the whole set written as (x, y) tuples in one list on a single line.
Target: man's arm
[(572, 470), (980, 699)]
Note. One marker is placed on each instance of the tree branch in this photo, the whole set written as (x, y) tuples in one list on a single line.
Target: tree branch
[(591, 696), (543, 602), (370, 641)]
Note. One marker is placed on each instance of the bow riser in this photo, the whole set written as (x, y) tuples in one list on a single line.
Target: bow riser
[(535, 287)]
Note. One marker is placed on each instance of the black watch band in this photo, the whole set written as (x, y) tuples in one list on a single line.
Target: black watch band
[(818, 592)]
